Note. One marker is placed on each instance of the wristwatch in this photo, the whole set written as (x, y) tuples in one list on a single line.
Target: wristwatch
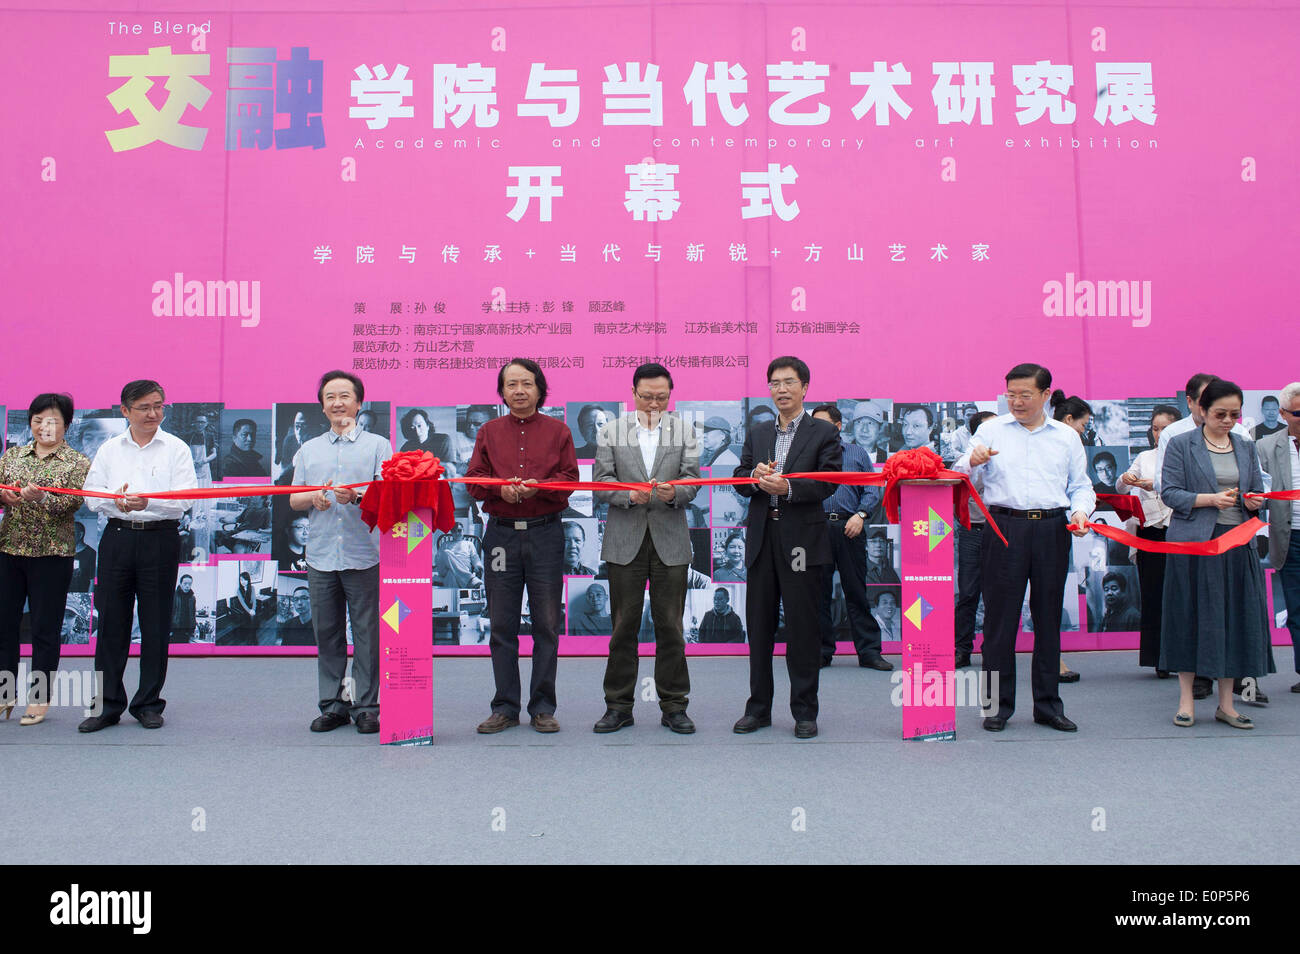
[(862, 514)]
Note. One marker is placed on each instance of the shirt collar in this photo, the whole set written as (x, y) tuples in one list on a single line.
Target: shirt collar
[(642, 429), (523, 420), (350, 435), (126, 438), (792, 425)]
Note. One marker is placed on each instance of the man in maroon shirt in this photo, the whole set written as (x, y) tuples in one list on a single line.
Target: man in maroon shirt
[(523, 544)]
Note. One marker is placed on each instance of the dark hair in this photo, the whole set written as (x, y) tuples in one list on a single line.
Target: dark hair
[(830, 410), (60, 402), (1042, 377), (1072, 406), (296, 589), (186, 576), (723, 591), (906, 409), (574, 523), (245, 575), (244, 422), (408, 422), (1269, 397), (890, 593), (132, 391), (879, 535), (1168, 410), (755, 410), (978, 418), (1104, 455), (1118, 578), (1217, 389), (1196, 382), (794, 364), (329, 376), (533, 368), (651, 369), (731, 536), (586, 414)]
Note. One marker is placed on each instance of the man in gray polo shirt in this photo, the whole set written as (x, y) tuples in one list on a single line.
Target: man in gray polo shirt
[(342, 554)]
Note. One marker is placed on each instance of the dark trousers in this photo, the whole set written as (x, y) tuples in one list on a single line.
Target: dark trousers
[(667, 603), (43, 583), (1290, 575), (970, 561), (515, 559), (1151, 582), (1037, 553), (336, 596), (137, 571), (850, 556), (774, 582)]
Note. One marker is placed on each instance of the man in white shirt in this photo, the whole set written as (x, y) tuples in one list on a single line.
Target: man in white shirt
[(139, 553), (1035, 472)]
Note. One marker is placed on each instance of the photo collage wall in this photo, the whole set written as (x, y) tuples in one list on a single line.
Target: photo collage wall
[(243, 582)]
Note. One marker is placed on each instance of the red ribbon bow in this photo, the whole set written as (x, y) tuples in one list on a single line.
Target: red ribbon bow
[(922, 463), (411, 479)]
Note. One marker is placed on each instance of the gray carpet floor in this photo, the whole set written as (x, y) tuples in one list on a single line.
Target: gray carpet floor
[(235, 777)]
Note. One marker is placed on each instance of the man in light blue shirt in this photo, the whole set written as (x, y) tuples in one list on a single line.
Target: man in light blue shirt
[(342, 554), (1034, 472)]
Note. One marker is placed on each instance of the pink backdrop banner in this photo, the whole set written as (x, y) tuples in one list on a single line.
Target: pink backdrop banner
[(912, 199)]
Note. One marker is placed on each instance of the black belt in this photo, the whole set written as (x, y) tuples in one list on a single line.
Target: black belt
[(113, 523), (525, 523), (835, 516), (1029, 514)]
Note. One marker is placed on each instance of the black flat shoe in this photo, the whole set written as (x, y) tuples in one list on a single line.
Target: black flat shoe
[(961, 661), (1070, 676), (875, 662), (329, 721), (679, 722), (1163, 673), (368, 723), (612, 721), (994, 724), (805, 729), (750, 723), (150, 720), (1059, 723), (95, 723)]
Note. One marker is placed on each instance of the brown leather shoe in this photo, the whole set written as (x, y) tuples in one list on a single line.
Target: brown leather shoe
[(497, 722), (545, 722)]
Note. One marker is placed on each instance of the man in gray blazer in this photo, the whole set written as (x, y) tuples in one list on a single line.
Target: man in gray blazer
[(1279, 455), (646, 539)]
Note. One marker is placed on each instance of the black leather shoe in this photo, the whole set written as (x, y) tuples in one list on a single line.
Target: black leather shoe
[(961, 661), (1059, 723), (329, 721), (1296, 687), (368, 722), (750, 723), (994, 724), (612, 721), (95, 723), (1201, 688), (875, 662), (806, 729), (150, 720), (827, 662), (1163, 674), (679, 722), (1070, 676)]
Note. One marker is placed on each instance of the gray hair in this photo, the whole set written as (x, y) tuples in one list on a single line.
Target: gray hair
[(1289, 394)]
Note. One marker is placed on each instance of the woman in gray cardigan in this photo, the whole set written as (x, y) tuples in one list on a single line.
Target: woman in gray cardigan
[(1215, 620)]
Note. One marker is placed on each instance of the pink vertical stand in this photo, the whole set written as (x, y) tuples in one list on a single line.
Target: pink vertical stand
[(928, 677), (406, 631)]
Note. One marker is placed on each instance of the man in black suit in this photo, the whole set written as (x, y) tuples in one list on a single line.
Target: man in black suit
[(787, 543)]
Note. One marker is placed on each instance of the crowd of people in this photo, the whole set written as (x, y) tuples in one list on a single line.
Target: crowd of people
[(1202, 617)]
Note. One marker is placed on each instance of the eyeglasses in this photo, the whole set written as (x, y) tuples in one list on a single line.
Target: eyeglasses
[(148, 408), (1222, 415), (1289, 413), (652, 398), (785, 384), (1021, 397)]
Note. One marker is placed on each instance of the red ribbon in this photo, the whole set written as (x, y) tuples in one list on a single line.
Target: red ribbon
[(411, 479), (1238, 536), (1126, 505)]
